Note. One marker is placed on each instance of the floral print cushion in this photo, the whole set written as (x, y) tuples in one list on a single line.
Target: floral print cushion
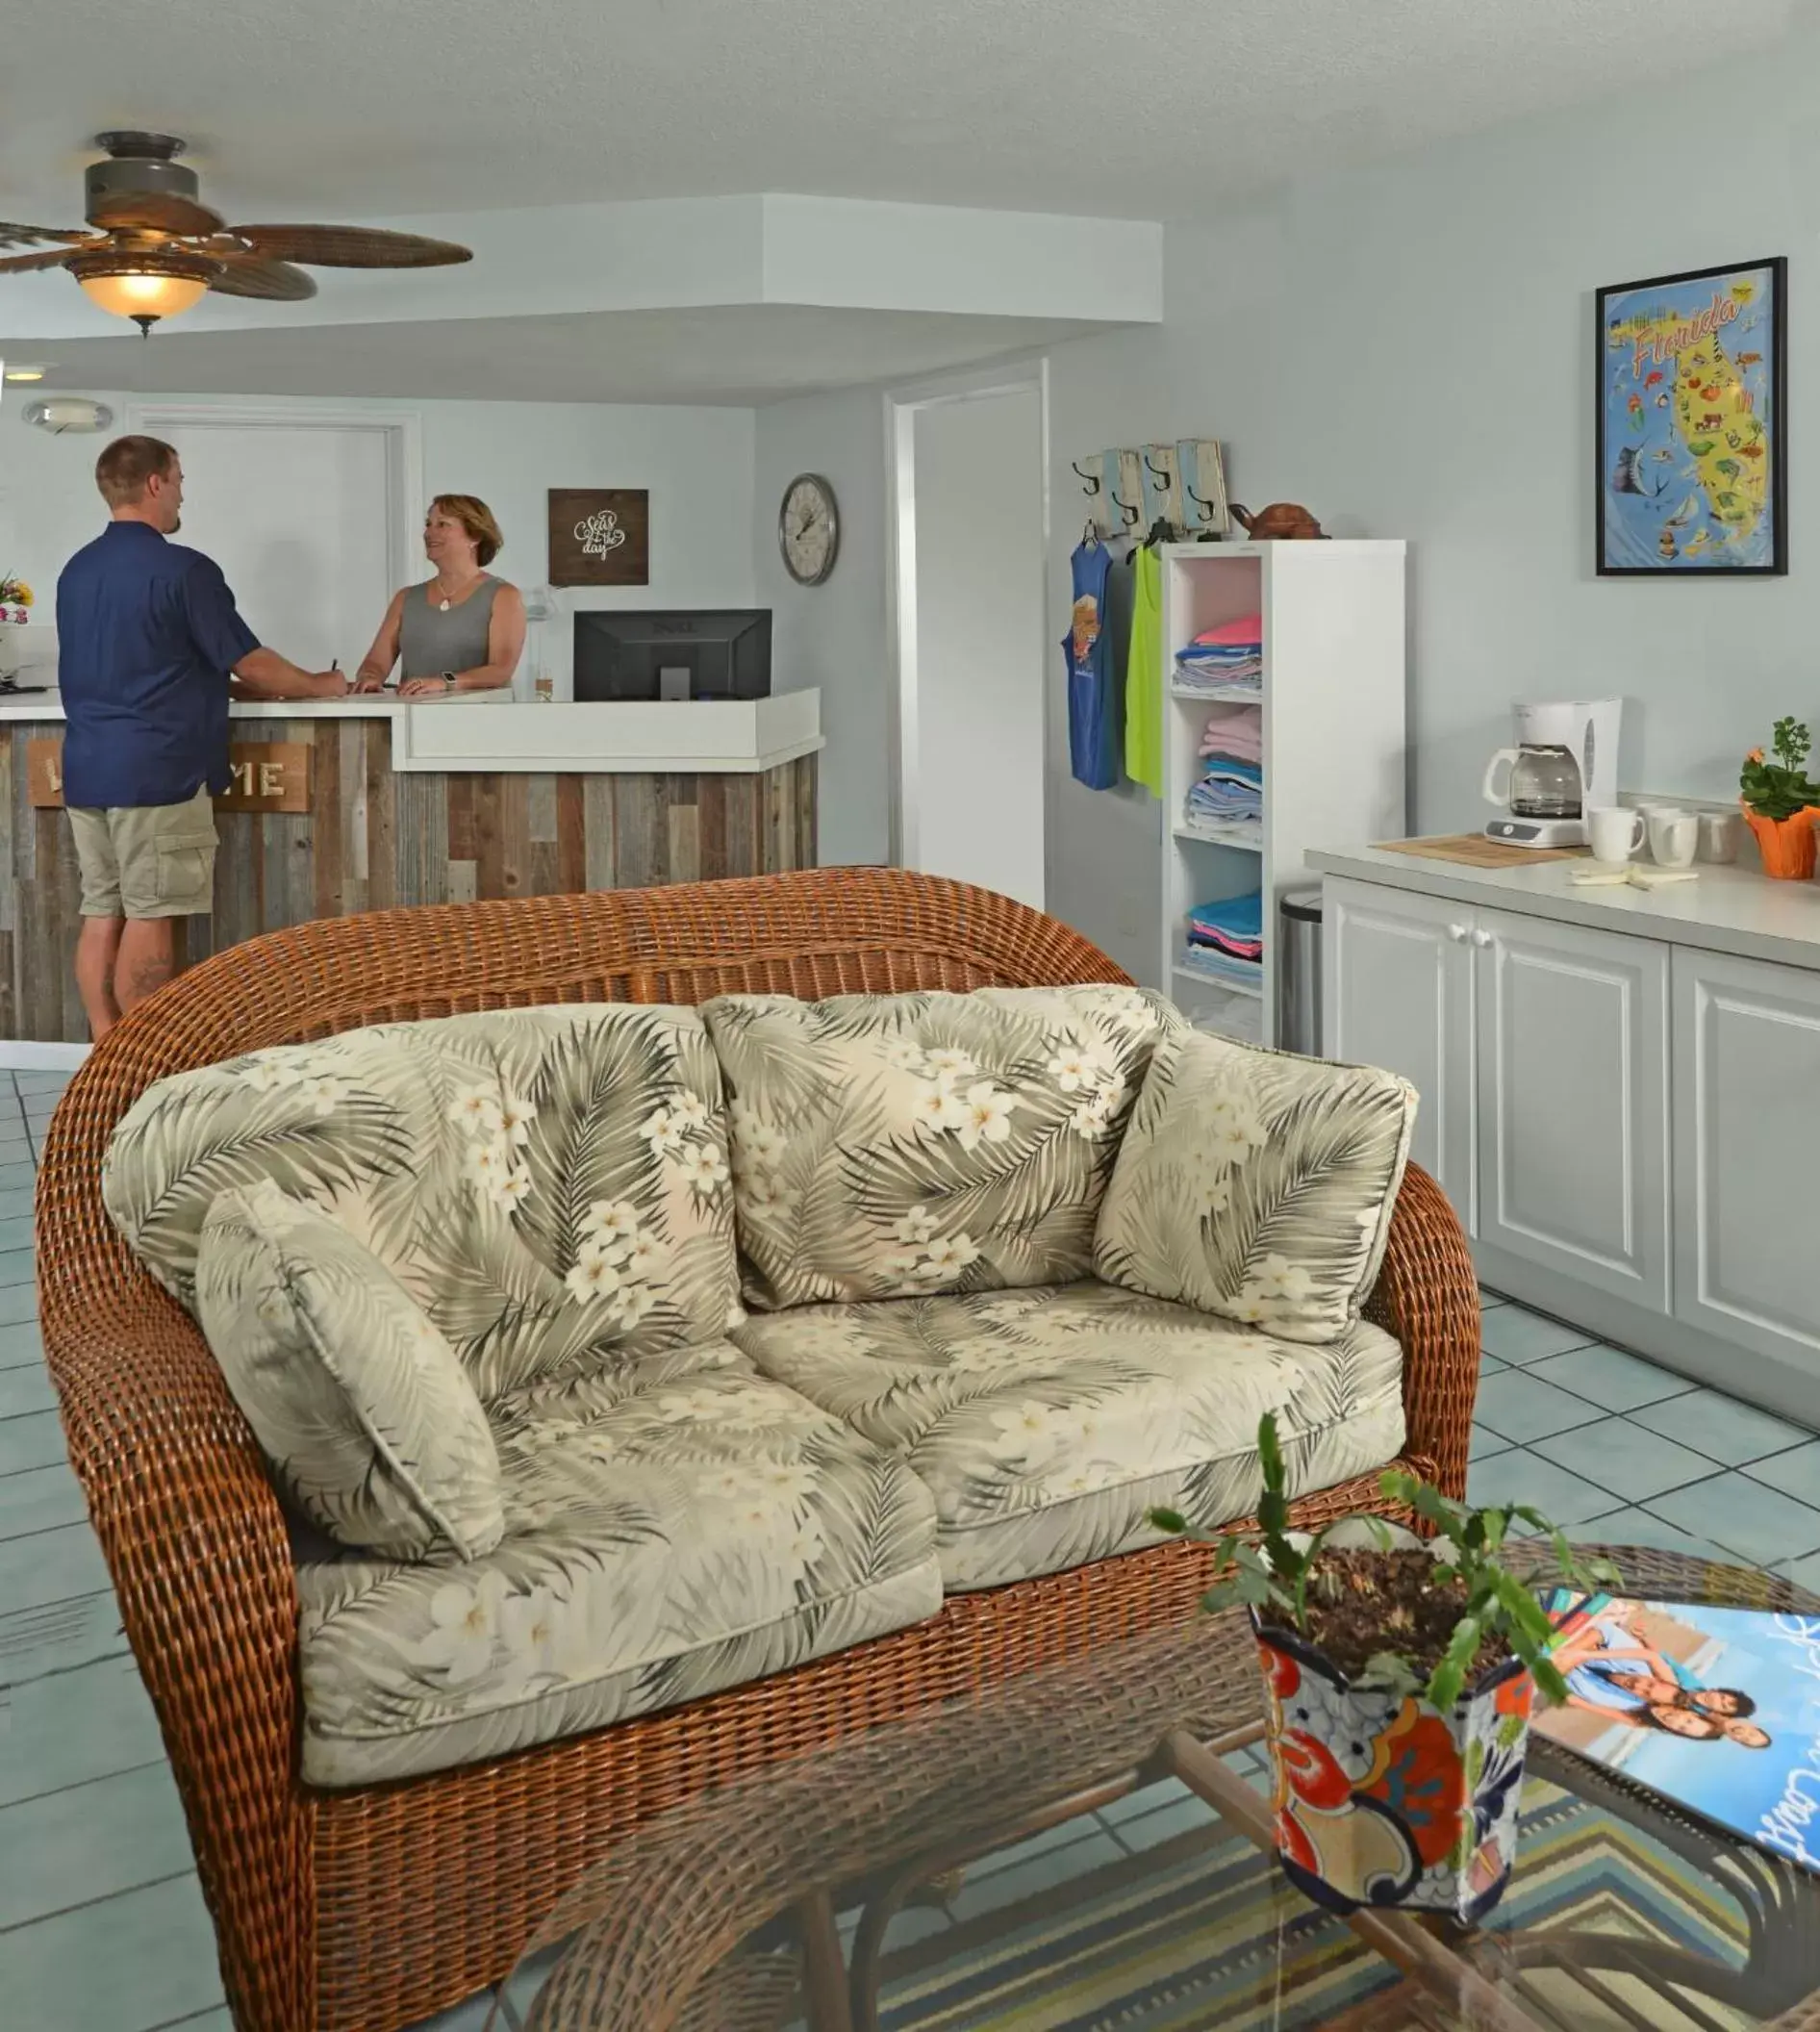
[(550, 1185), (1257, 1185), (674, 1526), (1049, 1423), (369, 1420), (890, 1146)]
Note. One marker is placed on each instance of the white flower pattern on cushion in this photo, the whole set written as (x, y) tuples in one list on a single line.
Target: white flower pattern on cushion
[(465, 1627), (988, 1121), (1257, 1185), (1049, 1423)]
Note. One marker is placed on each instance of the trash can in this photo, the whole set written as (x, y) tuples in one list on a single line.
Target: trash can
[(1299, 971)]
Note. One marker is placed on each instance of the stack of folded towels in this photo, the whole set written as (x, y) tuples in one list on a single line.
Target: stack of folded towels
[(1225, 940), (1227, 658), (1231, 788)]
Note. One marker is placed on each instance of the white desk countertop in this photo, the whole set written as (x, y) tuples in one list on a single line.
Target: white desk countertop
[(1734, 910), (493, 732)]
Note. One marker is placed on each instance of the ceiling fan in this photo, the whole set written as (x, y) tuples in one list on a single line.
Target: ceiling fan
[(157, 249)]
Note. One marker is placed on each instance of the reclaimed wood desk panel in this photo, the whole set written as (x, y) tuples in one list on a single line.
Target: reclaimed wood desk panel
[(373, 838)]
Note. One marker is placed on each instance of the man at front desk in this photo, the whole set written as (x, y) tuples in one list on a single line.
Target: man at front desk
[(147, 636)]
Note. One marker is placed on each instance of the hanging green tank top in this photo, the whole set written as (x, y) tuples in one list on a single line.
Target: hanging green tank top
[(1144, 676)]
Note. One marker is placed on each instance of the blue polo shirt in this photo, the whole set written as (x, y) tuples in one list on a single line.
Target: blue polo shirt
[(146, 635)]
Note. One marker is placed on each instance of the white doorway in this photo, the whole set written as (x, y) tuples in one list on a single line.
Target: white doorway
[(970, 490), (312, 518)]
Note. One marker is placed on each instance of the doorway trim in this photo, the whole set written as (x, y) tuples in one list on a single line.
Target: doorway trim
[(901, 405), (401, 429)]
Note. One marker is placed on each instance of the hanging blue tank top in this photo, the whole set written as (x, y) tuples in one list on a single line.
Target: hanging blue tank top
[(1095, 739)]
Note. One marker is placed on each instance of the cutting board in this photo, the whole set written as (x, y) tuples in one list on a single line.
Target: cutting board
[(1473, 849)]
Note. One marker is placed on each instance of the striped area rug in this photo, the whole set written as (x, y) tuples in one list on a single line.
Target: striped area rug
[(1199, 1931)]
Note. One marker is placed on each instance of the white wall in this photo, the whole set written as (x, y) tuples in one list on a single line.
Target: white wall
[(833, 635), (1407, 349), (974, 729), (698, 463)]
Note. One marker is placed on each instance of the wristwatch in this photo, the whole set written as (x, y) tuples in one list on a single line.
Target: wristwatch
[(448, 680)]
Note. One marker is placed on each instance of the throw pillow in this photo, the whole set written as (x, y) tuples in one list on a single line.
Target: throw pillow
[(367, 1418), (550, 1185), (1257, 1185), (889, 1146)]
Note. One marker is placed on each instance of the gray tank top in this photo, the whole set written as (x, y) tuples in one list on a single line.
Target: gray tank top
[(430, 642)]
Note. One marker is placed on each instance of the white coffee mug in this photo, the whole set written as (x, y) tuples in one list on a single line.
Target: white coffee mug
[(1614, 833), (1674, 836), (1719, 832)]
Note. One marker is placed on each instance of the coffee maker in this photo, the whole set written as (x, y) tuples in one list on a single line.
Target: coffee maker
[(1564, 762)]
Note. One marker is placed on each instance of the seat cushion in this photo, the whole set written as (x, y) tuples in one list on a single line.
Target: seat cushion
[(550, 1185), (1048, 1423), (1257, 1185), (894, 1145), (680, 1525), (370, 1422)]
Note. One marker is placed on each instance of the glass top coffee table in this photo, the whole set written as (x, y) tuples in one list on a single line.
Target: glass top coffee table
[(1090, 1846)]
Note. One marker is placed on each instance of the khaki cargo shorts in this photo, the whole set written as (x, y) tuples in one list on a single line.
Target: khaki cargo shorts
[(146, 860)]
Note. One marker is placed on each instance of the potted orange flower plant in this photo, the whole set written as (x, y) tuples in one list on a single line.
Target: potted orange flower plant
[(1780, 804), (1398, 1676)]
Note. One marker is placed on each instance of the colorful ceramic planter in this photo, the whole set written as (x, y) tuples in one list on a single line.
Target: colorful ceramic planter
[(1379, 1798), (1787, 844)]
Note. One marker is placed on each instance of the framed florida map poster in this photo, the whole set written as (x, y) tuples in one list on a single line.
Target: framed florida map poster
[(1692, 423)]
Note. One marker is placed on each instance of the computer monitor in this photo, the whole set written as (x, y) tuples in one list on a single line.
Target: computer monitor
[(722, 653)]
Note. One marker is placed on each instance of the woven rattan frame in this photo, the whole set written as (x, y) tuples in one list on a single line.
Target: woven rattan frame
[(369, 1909)]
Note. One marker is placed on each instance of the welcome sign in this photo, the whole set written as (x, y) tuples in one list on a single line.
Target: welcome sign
[(600, 536), (265, 776)]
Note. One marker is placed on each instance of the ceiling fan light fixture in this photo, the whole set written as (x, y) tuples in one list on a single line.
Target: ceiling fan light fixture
[(145, 287)]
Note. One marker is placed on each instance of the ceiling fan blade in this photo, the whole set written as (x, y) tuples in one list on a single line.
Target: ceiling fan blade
[(252, 275), (25, 263), (13, 235), (350, 246), (153, 211)]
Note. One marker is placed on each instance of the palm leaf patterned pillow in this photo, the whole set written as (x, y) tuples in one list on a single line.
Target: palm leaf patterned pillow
[(889, 1146), (369, 1420), (550, 1185), (1257, 1185)]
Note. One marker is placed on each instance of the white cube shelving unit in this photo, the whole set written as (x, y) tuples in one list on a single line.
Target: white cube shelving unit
[(1333, 738)]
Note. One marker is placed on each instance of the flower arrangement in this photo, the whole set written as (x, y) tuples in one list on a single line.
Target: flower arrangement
[(1378, 1649), (15, 597), (1779, 801)]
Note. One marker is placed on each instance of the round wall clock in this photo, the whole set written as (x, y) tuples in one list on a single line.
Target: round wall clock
[(809, 529)]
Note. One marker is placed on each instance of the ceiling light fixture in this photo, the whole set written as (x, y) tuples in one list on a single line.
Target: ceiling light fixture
[(25, 373), (145, 287)]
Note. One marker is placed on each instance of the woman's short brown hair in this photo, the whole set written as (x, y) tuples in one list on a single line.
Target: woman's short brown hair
[(477, 518)]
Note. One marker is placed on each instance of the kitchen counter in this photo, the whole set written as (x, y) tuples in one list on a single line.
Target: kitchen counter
[(361, 803), (1736, 909)]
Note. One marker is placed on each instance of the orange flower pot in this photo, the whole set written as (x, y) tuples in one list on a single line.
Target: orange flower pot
[(1787, 844)]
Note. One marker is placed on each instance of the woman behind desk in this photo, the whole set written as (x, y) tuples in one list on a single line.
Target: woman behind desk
[(463, 631)]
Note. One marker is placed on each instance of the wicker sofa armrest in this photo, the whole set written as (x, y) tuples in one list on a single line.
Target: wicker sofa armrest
[(1427, 1296), (199, 1554)]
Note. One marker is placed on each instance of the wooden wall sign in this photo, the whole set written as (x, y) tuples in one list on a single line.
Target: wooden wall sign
[(600, 536), (267, 775)]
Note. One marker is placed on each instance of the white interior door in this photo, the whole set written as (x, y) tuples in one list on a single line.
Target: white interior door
[(972, 719), (300, 520)]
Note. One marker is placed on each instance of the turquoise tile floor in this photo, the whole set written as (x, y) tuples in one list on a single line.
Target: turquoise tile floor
[(102, 1925)]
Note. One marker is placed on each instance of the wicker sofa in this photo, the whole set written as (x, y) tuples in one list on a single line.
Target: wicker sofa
[(369, 1908)]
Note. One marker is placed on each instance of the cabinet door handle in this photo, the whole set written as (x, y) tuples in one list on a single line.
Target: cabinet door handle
[(1458, 933), (1481, 938)]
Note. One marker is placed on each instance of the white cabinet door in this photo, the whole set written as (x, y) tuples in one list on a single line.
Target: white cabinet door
[(1747, 1122), (1398, 992), (1572, 1102)]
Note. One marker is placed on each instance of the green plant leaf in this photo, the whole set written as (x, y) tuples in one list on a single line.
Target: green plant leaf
[(1170, 1520)]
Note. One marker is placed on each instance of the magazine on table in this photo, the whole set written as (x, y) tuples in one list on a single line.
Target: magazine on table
[(1717, 1710)]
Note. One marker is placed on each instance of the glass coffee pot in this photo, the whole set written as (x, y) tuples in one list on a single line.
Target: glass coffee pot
[(1543, 782)]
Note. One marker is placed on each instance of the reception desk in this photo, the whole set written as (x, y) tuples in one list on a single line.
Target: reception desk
[(361, 803)]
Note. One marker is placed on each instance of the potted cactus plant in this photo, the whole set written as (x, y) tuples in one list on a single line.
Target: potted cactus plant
[(1780, 803), (1400, 1674)]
